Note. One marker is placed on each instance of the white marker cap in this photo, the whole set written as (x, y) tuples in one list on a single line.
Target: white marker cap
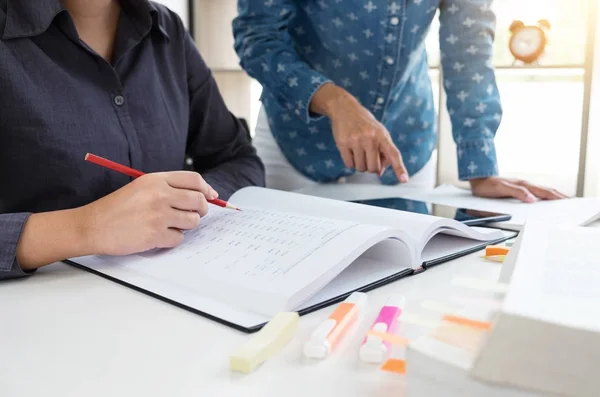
[(358, 298), (396, 301), (317, 346)]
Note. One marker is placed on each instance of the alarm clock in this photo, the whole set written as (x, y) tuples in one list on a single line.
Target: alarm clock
[(528, 42)]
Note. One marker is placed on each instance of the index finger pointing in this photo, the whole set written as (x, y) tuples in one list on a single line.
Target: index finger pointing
[(394, 157)]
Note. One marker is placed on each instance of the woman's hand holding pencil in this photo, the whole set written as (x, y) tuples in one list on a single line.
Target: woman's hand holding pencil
[(136, 174), (150, 212)]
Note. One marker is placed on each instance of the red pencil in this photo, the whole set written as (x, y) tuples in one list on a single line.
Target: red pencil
[(92, 158)]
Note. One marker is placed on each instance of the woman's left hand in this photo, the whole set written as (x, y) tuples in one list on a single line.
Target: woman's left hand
[(496, 187)]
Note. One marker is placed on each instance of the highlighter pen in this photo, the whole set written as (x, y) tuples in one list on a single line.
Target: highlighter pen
[(327, 335), (374, 349)]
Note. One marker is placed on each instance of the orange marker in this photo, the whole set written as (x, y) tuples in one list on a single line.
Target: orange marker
[(327, 335)]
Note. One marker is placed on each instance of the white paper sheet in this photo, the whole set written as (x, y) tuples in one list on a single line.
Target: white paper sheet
[(557, 276), (574, 212)]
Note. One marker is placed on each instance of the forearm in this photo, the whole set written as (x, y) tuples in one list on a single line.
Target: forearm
[(52, 236), (466, 40), (330, 97)]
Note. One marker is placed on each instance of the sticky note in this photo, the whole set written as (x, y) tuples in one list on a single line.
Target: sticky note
[(391, 338), (418, 320), (477, 303), (459, 336), (493, 250), (437, 306), (394, 365), (480, 284), (467, 322), (268, 341), (495, 258)]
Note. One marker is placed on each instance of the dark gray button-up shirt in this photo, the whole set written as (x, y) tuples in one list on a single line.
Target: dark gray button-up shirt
[(156, 104)]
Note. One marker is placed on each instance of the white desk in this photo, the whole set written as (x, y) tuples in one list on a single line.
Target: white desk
[(64, 332)]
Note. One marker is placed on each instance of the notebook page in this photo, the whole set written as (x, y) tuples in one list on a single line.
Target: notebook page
[(358, 191), (573, 212), (255, 258), (557, 276), (322, 207), (257, 244), (417, 228)]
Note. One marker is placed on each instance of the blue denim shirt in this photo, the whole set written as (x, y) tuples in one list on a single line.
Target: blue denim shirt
[(375, 50), (154, 107)]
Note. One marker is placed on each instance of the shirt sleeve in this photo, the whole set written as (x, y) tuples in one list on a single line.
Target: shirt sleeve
[(217, 142), (11, 226), (266, 50), (467, 29)]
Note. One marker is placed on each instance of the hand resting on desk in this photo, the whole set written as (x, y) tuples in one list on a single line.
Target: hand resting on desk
[(148, 213), (496, 187)]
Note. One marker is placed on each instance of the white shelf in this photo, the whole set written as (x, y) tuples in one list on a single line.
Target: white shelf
[(214, 35), (180, 7)]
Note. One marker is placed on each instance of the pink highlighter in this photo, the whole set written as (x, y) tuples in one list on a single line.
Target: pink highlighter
[(373, 349)]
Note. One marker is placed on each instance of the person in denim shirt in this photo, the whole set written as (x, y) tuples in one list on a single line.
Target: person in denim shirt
[(346, 89)]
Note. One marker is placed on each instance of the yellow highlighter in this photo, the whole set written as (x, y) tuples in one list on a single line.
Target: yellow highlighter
[(327, 335), (268, 341)]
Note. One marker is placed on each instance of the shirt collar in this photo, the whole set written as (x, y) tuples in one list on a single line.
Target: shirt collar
[(27, 18), (158, 19)]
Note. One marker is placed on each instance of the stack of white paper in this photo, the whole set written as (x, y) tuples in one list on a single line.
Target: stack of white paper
[(545, 339), (547, 335)]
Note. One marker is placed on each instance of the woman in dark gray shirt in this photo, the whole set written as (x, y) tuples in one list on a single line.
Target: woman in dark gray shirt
[(124, 80)]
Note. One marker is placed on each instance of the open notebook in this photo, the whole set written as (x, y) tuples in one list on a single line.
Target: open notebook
[(288, 251)]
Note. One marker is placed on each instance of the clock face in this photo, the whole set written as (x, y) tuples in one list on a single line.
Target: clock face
[(527, 41)]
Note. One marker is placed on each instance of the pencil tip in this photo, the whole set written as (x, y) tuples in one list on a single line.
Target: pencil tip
[(87, 155), (232, 207)]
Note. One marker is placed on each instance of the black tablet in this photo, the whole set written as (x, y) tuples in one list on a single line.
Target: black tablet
[(465, 215)]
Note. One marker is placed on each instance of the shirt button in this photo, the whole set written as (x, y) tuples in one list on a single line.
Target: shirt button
[(389, 60), (380, 100), (395, 21), (119, 100)]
